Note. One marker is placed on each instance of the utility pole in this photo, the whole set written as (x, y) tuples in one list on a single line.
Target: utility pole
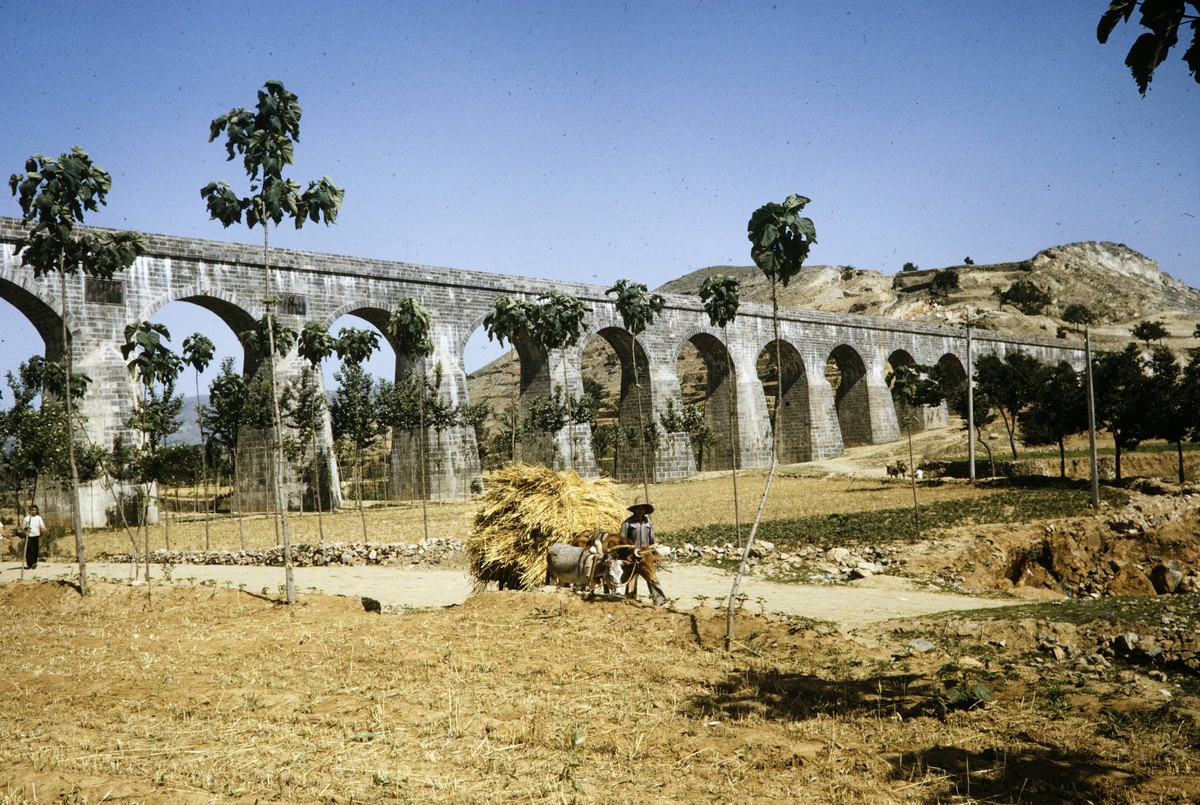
[(1091, 404), (970, 405)]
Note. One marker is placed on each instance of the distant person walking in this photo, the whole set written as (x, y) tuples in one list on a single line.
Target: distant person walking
[(32, 527)]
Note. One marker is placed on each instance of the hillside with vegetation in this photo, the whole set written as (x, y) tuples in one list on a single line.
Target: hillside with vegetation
[(1119, 286)]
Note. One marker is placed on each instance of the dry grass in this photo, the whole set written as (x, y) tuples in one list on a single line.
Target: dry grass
[(209, 695)]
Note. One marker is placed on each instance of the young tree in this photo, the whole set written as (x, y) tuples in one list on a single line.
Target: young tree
[(1121, 398), (266, 139), (1009, 383), (913, 387), (314, 345), (1057, 409), (910, 267), (944, 282), (223, 418), (954, 391), (54, 194), (511, 318), (1025, 296), (1147, 331), (780, 239), (198, 351), (637, 308), (557, 325), (155, 368), (719, 294), (355, 420), (1169, 409), (356, 346), (1078, 314), (409, 327)]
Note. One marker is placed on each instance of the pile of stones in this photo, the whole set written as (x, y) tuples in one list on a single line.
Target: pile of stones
[(431, 551), (829, 565)]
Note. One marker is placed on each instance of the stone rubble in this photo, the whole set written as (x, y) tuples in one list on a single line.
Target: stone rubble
[(432, 551)]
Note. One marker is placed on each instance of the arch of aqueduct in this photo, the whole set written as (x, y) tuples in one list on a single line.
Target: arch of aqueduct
[(227, 279)]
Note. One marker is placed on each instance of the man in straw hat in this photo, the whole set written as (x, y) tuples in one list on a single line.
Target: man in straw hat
[(638, 529)]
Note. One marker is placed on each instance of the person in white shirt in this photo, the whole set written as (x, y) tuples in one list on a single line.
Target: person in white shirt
[(33, 525)]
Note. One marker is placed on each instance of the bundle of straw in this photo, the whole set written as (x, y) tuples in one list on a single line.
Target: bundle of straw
[(526, 509)]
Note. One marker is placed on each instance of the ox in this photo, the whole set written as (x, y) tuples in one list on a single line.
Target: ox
[(622, 563), (574, 565)]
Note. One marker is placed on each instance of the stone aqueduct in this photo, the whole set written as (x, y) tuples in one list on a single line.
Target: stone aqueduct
[(821, 418)]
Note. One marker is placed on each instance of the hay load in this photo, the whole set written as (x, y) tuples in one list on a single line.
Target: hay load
[(526, 509)]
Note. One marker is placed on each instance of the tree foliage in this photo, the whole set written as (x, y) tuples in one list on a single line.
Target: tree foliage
[(1147, 331), (1026, 297), (54, 194), (265, 139), (1008, 383), (719, 294), (944, 282), (780, 238), (1119, 381), (1162, 20), (1057, 409), (1079, 314)]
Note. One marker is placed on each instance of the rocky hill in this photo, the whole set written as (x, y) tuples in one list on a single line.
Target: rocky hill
[(1117, 284)]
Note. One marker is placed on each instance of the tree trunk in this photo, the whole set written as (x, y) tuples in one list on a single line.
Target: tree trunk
[(912, 474), (318, 457), (1062, 458), (277, 423), (734, 441), (637, 387), (741, 571), (361, 513), (1010, 429), (1179, 453), (421, 448), (76, 524), (203, 465)]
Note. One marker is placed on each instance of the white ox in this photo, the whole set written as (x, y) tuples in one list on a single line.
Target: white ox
[(582, 567)]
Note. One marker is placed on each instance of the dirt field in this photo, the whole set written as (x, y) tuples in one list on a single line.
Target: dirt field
[(202, 692)]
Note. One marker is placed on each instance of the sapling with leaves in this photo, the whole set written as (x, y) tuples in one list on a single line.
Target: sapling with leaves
[(198, 351), (913, 387), (780, 239), (355, 418), (510, 319), (155, 368), (265, 139), (1057, 410), (314, 345), (637, 308), (54, 194), (441, 414), (354, 346), (268, 338), (409, 327), (223, 418), (557, 326), (720, 295)]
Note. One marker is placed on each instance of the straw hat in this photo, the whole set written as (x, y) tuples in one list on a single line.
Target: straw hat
[(640, 503)]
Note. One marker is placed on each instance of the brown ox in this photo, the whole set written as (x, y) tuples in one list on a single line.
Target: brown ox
[(622, 563)]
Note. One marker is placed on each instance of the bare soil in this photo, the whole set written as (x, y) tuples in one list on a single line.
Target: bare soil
[(889, 689)]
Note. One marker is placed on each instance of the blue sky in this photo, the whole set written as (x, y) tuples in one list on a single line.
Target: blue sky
[(600, 140)]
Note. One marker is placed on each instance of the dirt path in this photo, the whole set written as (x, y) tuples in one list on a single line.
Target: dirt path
[(866, 601)]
